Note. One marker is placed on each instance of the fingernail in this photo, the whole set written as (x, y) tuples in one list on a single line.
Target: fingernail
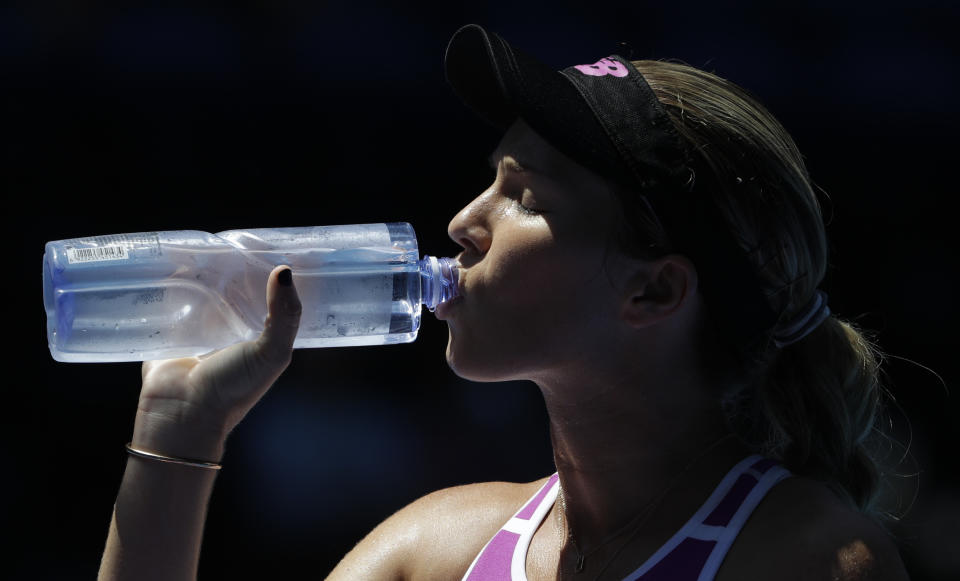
[(285, 278)]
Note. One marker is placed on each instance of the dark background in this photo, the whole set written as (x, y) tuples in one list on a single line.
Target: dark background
[(137, 116)]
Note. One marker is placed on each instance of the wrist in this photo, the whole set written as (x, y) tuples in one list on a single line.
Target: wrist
[(167, 436)]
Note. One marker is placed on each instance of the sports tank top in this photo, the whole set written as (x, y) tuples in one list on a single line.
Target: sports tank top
[(694, 553)]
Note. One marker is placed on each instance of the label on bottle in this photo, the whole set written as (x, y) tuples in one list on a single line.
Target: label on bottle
[(96, 254), (114, 247)]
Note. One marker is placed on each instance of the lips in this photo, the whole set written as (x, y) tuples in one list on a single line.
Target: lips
[(445, 308)]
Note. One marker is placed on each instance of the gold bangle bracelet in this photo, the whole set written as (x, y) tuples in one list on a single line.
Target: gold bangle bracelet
[(172, 460)]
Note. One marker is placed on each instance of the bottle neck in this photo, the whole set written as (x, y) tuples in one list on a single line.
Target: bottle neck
[(438, 280)]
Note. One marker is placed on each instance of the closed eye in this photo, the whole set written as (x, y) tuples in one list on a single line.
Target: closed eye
[(512, 171), (528, 211), (517, 192)]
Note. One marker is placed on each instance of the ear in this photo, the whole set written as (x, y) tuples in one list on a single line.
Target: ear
[(658, 290)]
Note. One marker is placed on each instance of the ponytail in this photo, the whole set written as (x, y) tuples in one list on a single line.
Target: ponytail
[(820, 401)]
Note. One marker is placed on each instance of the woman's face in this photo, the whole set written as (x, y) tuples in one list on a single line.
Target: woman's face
[(539, 277)]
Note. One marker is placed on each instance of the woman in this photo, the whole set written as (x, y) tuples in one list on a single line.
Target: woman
[(648, 254)]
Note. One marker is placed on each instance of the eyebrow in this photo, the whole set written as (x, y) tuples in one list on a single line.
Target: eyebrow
[(494, 158)]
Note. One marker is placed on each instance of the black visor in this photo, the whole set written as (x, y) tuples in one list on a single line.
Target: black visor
[(603, 115)]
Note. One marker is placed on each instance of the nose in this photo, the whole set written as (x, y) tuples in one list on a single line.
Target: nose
[(470, 227)]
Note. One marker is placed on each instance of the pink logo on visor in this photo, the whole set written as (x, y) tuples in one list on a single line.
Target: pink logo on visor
[(603, 67)]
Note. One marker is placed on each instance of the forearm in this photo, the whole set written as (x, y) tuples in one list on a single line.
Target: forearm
[(157, 523), (158, 519)]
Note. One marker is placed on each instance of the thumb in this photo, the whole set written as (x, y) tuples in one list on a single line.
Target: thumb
[(283, 316)]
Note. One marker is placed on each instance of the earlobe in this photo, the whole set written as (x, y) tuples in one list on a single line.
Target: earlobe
[(660, 289)]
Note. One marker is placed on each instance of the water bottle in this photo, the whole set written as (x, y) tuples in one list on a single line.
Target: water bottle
[(158, 295)]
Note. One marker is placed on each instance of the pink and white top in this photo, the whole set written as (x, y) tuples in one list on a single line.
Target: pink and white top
[(694, 553)]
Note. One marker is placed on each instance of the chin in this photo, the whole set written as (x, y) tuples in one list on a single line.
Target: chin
[(480, 367), (464, 368)]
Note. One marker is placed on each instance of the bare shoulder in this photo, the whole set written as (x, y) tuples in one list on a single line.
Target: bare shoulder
[(802, 530), (436, 536)]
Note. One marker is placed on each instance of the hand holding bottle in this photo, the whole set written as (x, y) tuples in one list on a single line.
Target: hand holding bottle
[(188, 406)]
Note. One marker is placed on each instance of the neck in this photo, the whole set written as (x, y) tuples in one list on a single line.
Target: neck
[(619, 453)]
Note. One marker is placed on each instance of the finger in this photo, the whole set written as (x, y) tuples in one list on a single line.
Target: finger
[(283, 317)]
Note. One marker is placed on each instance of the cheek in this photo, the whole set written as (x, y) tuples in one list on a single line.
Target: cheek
[(534, 278), (515, 270), (528, 310)]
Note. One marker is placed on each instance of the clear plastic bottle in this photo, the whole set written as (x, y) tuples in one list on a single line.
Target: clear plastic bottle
[(157, 295)]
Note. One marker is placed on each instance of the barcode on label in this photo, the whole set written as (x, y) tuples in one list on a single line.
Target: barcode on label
[(75, 255)]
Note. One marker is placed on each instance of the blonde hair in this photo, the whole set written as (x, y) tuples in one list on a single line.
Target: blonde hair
[(815, 404)]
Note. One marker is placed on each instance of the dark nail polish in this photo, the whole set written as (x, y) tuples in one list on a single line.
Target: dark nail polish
[(285, 278)]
